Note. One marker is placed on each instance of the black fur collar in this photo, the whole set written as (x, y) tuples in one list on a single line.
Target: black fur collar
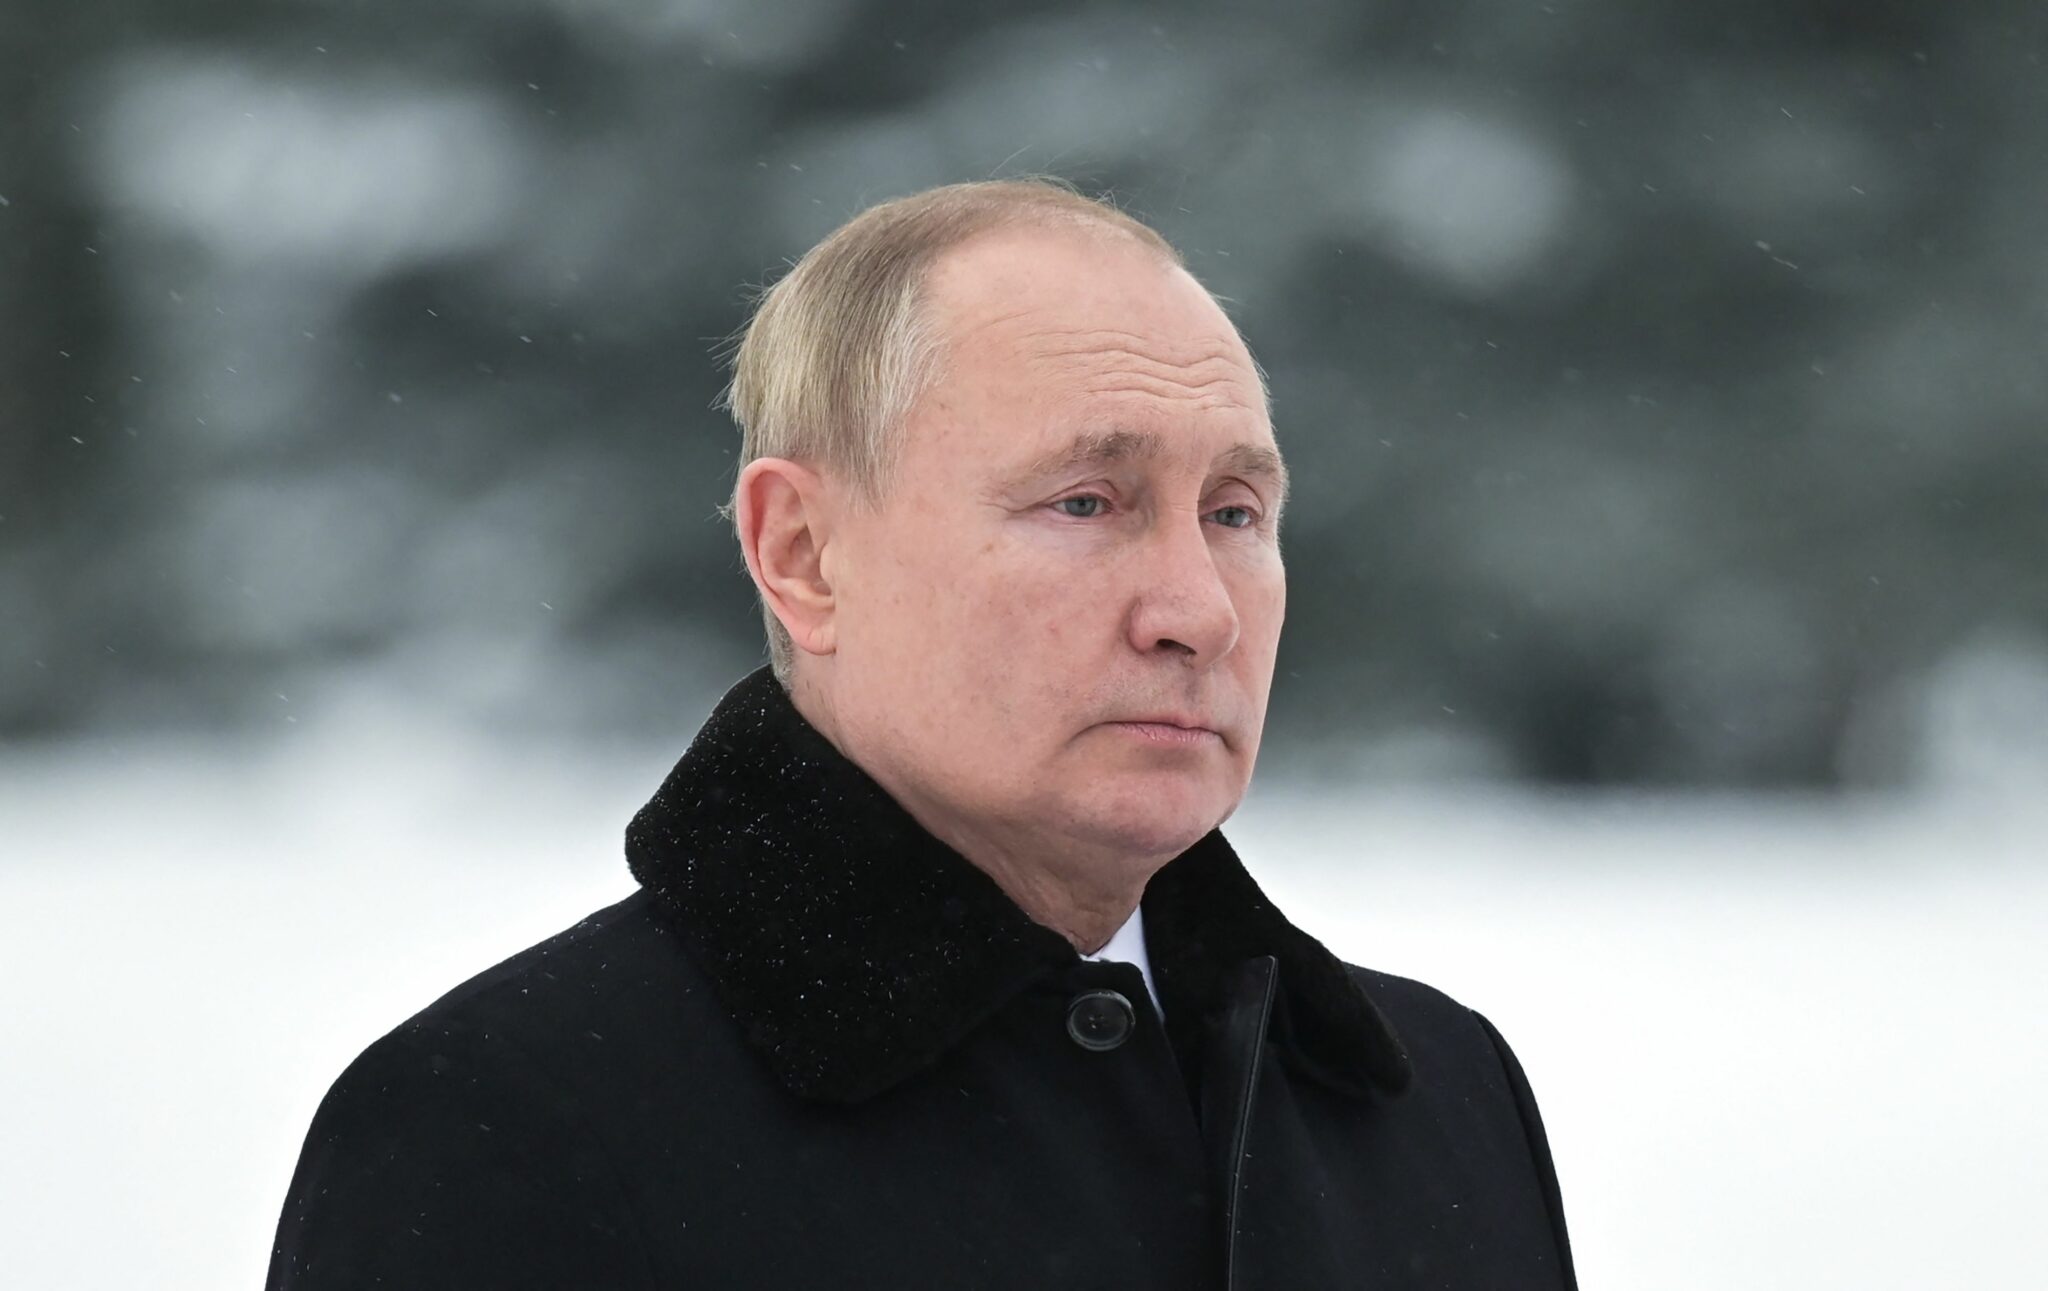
[(854, 947)]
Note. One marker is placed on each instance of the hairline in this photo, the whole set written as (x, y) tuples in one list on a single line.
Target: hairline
[(929, 367)]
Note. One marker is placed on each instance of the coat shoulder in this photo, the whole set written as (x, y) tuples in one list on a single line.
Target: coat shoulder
[(453, 1151), (1403, 994), (1459, 1057), (1449, 1043), (606, 951), (1417, 1011)]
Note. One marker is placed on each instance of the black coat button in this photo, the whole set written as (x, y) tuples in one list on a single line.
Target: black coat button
[(1100, 1019)]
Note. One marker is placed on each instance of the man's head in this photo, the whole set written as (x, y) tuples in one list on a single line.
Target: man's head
[(1010, 481)]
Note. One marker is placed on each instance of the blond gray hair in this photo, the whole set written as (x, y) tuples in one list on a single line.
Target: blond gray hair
[(839, 349)]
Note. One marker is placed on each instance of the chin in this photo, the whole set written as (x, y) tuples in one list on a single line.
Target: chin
[(1157, 821)]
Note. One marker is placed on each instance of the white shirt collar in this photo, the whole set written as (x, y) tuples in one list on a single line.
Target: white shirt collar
[(1127, 946)]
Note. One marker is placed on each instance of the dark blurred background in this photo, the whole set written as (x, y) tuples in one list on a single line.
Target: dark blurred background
[(1663, 380)]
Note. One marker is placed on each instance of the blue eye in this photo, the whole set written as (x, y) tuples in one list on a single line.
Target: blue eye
[(1251, 517)]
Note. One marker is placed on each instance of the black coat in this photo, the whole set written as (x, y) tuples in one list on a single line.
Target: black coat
[(818, 1048)]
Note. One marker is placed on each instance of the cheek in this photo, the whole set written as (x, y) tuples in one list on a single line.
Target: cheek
[(1058, 606), (980, 603), (1025, 627), (1261, 597)]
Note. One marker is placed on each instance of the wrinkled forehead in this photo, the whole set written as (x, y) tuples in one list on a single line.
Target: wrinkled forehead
[(1136, 374)]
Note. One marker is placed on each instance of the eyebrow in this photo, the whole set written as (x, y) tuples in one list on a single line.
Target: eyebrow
[(1097, 448)]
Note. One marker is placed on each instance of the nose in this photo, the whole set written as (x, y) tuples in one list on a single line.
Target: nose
[(1183, 605)]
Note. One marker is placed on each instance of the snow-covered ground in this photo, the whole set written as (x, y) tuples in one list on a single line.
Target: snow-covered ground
[(1790, 1044)]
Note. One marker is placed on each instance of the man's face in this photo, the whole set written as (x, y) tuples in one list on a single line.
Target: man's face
[(1083, 534)]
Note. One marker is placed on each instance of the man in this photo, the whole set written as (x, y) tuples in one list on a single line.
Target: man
[(940, 973)]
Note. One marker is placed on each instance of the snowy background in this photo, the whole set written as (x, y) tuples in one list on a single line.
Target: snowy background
[(1754, 1073), (1666, 671)]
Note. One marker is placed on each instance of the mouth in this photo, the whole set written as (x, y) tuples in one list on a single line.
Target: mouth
[(1167, 733)]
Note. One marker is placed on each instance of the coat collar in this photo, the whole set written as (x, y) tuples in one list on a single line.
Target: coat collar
[(854, 947)]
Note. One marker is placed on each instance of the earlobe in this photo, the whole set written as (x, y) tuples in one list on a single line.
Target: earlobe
[(782, 510)]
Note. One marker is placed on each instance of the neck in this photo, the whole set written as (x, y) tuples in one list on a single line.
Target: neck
[(1085, 899), (1087, 911)]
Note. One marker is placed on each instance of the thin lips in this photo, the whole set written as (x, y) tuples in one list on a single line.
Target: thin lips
[(1185, 723)]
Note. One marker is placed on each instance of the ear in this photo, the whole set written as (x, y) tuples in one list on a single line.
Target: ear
[(783, 512)]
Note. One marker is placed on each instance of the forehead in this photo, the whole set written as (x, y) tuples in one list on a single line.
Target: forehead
[(1091, 322)]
